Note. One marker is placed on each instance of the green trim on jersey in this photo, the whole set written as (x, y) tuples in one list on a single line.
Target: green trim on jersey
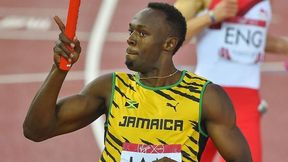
[(111, 99), (201, 108), (159, 88)]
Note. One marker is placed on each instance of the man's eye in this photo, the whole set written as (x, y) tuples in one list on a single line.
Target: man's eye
[(142, 34), (130, 32)]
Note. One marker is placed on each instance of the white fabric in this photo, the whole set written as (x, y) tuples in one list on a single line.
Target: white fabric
[(231, 56), (128, 156)]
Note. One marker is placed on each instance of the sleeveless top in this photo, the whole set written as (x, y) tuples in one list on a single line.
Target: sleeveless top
[(148, 123), (230, 53)]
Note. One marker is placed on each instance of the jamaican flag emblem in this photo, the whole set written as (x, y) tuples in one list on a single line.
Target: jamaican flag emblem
[(131, 104)]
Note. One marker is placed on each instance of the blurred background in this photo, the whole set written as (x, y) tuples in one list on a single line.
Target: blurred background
[(27, 36)]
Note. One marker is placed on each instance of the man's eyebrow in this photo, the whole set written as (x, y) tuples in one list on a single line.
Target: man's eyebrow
[(137, 26)]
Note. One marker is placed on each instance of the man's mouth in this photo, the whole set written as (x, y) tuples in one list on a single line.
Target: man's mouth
[(131, 52)]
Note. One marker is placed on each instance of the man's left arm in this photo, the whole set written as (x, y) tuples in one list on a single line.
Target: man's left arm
[(220, 120), (277, 45)]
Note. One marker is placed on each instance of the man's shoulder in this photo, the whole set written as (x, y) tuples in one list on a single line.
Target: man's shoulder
[(101, 80), (122, 73), (191, 74)]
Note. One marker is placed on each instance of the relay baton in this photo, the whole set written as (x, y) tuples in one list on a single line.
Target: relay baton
[(70, 29)]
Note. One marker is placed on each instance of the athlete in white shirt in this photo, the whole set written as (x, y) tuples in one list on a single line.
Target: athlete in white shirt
[(232, 37)]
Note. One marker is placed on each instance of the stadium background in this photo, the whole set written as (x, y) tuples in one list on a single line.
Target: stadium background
[(27, 35)]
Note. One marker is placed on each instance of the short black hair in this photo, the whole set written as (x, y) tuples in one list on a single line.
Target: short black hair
[(175, 19)]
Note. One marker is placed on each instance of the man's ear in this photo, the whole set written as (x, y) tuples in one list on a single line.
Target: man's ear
[(170, 44)]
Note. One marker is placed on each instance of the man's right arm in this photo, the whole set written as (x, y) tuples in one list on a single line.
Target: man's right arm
[(47, 116), (276, 45)]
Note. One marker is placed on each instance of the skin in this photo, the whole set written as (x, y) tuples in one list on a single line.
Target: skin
[(150, 50)]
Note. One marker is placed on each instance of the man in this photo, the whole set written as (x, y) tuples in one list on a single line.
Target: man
[(159, 113), (231, 39)]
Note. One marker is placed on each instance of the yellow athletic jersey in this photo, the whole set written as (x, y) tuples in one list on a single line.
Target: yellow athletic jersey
[(155, 122)]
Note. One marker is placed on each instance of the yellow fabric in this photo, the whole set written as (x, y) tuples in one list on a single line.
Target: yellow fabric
[(147, 115)]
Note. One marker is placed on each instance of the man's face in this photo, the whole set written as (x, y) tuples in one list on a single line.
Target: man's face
[(148, 32)]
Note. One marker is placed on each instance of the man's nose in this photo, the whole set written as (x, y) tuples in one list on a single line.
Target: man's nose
[(131, 40)]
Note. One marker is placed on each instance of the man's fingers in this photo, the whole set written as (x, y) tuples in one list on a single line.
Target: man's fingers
[(64, 38), (77, 45), (68, 46), (71, 54), (59, 51), (66, 49), (59, 23)]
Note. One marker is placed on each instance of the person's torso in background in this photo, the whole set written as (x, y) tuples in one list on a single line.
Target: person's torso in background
[(230, 53)]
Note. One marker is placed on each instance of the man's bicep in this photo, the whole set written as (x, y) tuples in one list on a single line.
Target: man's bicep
[(229, 141), (77, 111), (217, 107)]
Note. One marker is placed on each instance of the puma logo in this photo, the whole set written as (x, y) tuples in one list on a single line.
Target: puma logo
[(173, 106)]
